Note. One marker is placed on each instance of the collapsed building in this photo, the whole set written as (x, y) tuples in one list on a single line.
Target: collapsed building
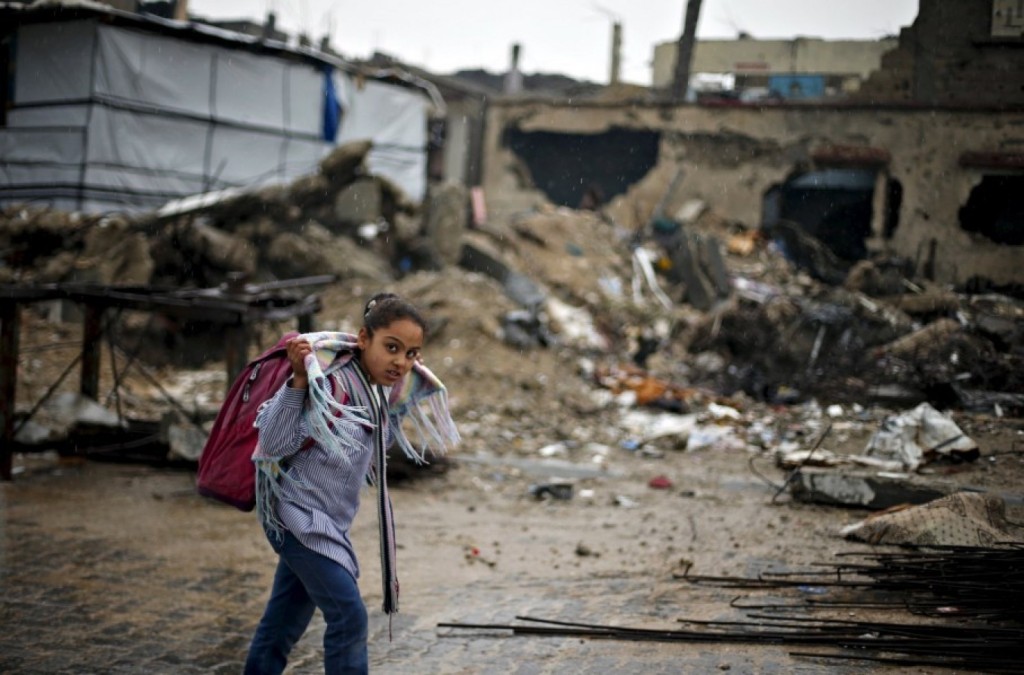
[(922, 165), (892, 210)]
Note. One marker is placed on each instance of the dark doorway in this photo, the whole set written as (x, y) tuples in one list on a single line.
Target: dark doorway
[(893, 202), (832, 205), (995, 210), (585, 170)]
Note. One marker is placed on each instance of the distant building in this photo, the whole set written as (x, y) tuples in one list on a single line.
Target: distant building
[(924, 164), (801, 68)]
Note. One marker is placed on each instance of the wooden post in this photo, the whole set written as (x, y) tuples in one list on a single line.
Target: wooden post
[(10, 326), (92, 335), (684, 51)]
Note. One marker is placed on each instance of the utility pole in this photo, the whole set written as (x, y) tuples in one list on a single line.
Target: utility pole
[(684, 51), (613, 78), (616, 61)]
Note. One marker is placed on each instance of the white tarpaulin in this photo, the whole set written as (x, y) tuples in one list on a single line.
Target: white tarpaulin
[(395, 119), (156, 70), (54, 62), (122, 117)]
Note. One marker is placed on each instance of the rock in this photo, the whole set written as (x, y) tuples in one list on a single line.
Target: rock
[(310, 190), (292, 255), (344, 163), (445, 222), (218, 248), (58, 268), (119, 254), (358, 202)]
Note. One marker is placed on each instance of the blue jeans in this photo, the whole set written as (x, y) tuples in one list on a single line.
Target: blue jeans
[(304, 581)]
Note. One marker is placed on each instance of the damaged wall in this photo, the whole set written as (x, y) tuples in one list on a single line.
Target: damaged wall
[(960, 52), (732, 156)]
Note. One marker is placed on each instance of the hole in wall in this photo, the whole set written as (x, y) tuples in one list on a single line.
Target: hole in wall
[(585, 170), (995, 209), (832, 205)]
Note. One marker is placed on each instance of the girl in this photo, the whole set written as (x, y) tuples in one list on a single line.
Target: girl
[(321, 435)]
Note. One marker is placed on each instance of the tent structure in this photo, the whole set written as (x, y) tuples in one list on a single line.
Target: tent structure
[(113, 111)]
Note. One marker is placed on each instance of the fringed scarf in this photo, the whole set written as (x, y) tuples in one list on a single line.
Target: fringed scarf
[(420, 397)]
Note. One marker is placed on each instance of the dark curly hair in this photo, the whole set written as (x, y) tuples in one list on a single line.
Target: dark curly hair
[(383, 309)]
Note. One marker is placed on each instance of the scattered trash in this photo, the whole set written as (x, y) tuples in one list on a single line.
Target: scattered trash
[(626, 502), (559, 449), (584, 551), (918, 436), (703, 437), (560, 491), (660, 483), (723, 412), (472, 554)]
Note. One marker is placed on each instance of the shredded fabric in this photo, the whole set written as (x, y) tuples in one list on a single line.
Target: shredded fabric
[(959, 519), (342, 397)]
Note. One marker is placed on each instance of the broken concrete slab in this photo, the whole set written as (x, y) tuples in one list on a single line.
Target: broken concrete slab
[(358, 202), (862, 489), (478, 255), (446, 221), (343, 164)]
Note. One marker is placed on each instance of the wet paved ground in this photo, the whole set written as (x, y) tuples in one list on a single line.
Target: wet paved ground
[(122, 569)]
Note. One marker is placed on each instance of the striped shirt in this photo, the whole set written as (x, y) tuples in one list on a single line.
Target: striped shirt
[(319, 502)]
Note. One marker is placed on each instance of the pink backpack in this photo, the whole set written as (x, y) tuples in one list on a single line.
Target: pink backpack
[(226, 472)]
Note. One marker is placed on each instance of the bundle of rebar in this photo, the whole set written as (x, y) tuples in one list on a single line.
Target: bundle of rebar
[(965, 603)]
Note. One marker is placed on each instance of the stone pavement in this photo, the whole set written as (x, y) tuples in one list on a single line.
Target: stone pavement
[(108, 568)]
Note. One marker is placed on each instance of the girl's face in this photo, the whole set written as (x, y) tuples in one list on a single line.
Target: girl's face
[(389, 355)]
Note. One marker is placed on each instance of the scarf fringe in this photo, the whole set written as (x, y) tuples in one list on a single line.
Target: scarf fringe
[(269, 476), (434, 428)]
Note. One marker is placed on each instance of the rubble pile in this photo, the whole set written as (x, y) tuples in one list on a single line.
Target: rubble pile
[(552, 326), (777, 334), (341, 220)]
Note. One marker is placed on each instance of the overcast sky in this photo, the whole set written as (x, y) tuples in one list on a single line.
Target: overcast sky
[(556, 36)]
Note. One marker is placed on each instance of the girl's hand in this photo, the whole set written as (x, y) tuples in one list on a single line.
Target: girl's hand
[(298, 350)]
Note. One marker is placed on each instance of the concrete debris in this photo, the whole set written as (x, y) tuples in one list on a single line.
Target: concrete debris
[(650, 342), (858, 489), (271, 233)]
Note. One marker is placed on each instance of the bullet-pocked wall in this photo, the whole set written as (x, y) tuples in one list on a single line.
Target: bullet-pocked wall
[(924, 162)]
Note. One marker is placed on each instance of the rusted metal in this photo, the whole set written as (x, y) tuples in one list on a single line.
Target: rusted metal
[(967, 600)]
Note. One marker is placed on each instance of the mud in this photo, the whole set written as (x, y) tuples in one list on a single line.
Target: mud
[(121, 568)]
